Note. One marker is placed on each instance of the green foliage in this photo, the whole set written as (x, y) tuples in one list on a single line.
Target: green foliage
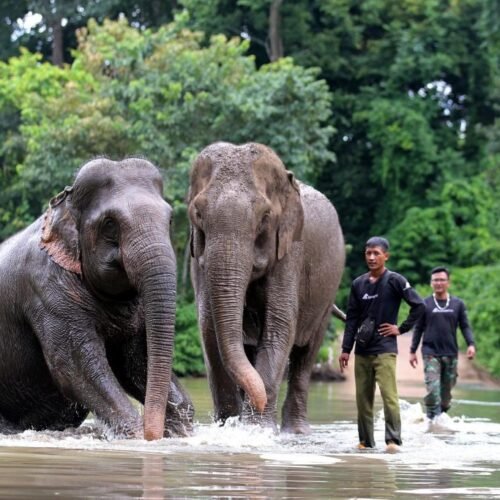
[(403, 155), (70, 15), (389, 108), (26, 84), (178, 96), (159, 94), (323, 354), (415, 86), (188, 357), (463, 230)]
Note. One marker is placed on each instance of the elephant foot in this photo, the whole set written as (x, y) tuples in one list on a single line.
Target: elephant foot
[(179, 420), (8, 428), (180, 412), (253, 417), (177, 429), (131, 429), (296, 428)]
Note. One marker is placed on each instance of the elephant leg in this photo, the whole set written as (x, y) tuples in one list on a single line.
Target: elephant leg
[(270, 363), (180, 411), (128, 361), (277, 340), (7, 427), (80, 369), (53, 412), (302, 358), (31, 400)]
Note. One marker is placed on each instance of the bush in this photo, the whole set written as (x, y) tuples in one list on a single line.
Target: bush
[(479, 289)]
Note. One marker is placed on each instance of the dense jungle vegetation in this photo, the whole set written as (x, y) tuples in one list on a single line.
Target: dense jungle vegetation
[(389, 108)]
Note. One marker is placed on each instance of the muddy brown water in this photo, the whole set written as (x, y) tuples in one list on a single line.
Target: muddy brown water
[(461, 460)]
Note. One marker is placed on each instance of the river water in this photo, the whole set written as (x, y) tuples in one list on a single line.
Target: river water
[(459, 460)]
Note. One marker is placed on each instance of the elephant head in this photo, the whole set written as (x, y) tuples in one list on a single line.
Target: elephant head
[(245, 211), (111, 228)]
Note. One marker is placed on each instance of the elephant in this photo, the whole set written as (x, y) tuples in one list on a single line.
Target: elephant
[(267, 259), (87, 309)]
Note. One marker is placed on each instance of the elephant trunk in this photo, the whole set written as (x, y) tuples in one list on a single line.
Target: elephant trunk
[(153, 271), (228, 279)]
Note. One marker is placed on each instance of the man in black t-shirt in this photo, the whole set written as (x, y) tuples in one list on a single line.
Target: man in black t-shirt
[(378, 295), (443, 315)]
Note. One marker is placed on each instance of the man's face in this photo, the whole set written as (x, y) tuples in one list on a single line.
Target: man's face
[(375, 257), (440, 282)]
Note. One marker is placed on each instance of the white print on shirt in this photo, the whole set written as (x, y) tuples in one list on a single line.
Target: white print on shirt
[(368, 297)]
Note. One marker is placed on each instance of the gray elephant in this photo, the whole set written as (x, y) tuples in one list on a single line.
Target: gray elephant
[(87, 309), (268, 255)]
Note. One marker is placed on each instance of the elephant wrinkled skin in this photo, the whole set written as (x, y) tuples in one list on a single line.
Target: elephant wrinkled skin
[(267, 259), (87, 310)]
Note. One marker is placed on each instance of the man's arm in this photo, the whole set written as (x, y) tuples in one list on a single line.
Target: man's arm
[(466, 330), (418, 329), (417, 308), (465, 327)]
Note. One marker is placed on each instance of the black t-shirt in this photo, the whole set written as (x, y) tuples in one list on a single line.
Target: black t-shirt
[(363, 293), (439, 327)]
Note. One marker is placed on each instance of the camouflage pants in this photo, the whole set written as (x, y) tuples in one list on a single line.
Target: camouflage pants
[(440, 373)]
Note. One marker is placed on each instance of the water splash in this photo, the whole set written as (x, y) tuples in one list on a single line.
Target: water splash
[(458, 443)]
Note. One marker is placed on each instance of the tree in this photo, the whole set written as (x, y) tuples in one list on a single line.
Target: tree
[(413, 94), (160, 94), (10, 12), (55, 35), (461, 231), (479, 291)]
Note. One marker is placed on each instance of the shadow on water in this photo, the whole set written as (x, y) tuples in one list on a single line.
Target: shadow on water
[(459, 460)]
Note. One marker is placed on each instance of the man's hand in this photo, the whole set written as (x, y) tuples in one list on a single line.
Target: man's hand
[(343, 361), (471, 352), (413, 360), (388, 330)]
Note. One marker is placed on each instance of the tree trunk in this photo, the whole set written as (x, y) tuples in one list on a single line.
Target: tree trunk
[(275, 49), (57, 43)]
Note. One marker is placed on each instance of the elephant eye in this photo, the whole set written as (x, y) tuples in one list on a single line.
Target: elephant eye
[(262, 230), (198, 243), (196, 218), (109, 229), (264, 221)]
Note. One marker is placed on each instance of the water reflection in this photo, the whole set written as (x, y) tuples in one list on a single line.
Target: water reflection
[(236, 461)]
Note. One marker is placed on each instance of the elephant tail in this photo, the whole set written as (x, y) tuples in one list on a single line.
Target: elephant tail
[(338, 313)]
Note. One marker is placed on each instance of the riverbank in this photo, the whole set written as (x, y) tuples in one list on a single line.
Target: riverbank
[(408, 377)]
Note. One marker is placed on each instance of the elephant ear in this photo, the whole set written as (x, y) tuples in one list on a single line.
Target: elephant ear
[(194, 243), (292, 218), (200, 175), (196, 235), (60, 235)]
